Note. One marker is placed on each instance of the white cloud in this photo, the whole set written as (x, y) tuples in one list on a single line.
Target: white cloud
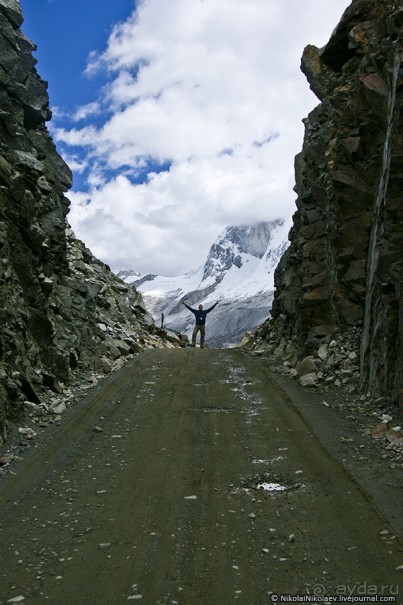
[(213, 88), (85, 111), (170, 221), (76, 164)]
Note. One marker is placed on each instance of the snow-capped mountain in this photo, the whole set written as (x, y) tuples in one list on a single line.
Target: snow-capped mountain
[(238, 272)]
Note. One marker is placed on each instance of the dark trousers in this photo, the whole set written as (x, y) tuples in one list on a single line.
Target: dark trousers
[(202, 330)]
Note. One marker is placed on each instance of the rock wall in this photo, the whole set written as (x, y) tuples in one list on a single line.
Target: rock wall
[(341, 278), (61, 310)]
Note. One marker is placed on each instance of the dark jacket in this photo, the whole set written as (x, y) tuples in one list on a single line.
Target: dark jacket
[(200, 315)]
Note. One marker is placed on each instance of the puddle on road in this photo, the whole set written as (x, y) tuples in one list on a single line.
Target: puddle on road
[(268, 483), (272, 487)]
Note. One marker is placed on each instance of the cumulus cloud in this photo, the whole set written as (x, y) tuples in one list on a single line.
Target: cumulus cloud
[(85, 111), (202, 120)]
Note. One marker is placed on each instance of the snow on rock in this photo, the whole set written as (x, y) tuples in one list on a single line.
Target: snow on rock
[(238, 272)]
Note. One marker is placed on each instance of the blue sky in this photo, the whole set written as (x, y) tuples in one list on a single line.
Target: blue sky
[(177, 117), (66, 31)]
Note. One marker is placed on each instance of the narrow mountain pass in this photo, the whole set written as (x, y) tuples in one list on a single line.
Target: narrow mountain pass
[(188, 478)]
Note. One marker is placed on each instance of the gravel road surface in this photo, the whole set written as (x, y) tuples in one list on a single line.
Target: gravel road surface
[(190, 478)]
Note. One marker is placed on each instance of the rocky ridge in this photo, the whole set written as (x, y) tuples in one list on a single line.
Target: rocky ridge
[(63, 313), (336, 315)]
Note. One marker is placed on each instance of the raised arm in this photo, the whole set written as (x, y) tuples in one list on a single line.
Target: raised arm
[(211, 308), (187, 306)]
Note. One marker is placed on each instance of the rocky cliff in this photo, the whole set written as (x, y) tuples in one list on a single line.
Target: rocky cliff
[(61, 310), (341, 278)]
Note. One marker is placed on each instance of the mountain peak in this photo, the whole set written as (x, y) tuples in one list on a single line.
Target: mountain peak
[(235, 243), (252, 239)]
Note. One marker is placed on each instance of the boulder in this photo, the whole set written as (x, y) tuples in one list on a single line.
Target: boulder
[(323, 352), (306, 366), (309, 380), (380, 430)]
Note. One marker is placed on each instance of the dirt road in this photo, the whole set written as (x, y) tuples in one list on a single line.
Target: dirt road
[(149, 493)]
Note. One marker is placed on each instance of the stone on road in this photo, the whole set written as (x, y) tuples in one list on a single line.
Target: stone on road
[(187, 477)]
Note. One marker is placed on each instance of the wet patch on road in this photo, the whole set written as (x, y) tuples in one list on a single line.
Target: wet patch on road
[(269, 483), (222, 409), (271, 461)]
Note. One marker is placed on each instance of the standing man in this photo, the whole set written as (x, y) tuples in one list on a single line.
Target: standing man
[(200, 325)]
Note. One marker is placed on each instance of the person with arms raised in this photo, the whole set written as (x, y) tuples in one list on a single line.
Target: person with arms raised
[(200, 325)]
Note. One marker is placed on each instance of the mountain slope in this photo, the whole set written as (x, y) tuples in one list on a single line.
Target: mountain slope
[(238, 272)]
